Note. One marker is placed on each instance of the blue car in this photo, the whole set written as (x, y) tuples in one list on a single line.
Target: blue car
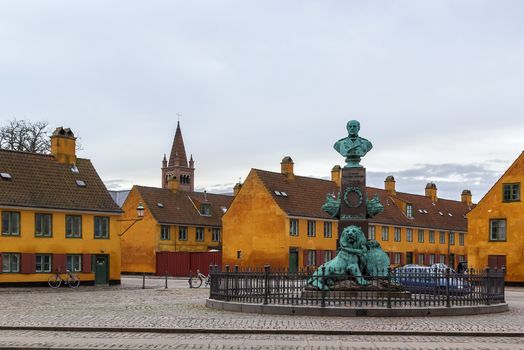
[(430, 279)]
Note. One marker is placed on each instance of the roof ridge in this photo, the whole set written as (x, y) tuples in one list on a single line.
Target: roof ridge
[(299, 176), (26, 152)]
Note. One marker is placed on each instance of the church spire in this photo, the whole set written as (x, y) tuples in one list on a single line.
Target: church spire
[(178, 151), (178, 167)]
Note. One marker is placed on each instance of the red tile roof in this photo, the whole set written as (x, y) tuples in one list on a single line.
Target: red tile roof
[(182, 208), (39, 181), (304, 197)]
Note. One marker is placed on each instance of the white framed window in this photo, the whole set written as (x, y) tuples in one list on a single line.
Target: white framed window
[(421, 236), (409, 210), (420, 259), (42, 263), (165, 232), (328, 229), (102, 227), (311, 258), (409, 235), (328, 255), (451, 238), (293, 227), (43, 225), (311, 228), (74, 263), (431, 259), (397, 258), (215, 234), (385, 233), (371, 232), (199, 234), (10, 262), (10, 223), (431, 237), (442, 237), (73, 226), (397, 234), (461, 238), (497, 230), (182, 233)]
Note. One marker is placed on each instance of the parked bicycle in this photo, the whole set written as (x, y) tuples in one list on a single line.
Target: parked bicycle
[(196, 282), (56, 280)]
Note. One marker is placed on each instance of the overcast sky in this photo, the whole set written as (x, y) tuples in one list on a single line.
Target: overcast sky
[(437, 85)]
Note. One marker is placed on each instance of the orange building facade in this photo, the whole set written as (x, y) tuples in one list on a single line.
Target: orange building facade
[(176, 218), (276, 219), (56, 215), (496, 226)]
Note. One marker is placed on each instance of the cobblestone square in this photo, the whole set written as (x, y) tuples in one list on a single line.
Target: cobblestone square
[(107, 310)]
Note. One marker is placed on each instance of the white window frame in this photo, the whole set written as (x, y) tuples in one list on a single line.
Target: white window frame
[(199, 234), (215, 232), (43, 263), (385, 233), (293, 227), (74, 262), (10, 262), (311, 228), (328, 229)]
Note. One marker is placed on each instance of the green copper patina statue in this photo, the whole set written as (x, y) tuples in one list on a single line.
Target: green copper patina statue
[(332, 206), (353, 147), (348, 260), (356, 257)]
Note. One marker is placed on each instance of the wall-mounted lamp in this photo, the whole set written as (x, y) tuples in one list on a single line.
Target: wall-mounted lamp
[(140, 215)]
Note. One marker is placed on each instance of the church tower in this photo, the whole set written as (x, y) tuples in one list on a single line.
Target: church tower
[(178, 165)]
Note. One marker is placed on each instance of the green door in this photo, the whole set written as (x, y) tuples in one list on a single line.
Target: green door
[(101, 269), (409, 258), (293, 260)]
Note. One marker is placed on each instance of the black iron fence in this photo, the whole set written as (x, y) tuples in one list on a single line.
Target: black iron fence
[(404, 287)]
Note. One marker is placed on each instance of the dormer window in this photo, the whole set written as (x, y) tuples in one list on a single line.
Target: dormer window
[(409, 210), (205, 209)]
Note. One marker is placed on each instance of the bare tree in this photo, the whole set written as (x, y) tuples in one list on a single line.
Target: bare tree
[(26, 136)]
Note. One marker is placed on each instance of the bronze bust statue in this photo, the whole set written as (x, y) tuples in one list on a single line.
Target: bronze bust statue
[(353, 147)]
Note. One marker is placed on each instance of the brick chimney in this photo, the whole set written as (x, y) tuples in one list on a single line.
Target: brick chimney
[(466, 197), (172, 183), (336, 175), (63, 145), (431, 191), (286, 167), (389, 185)]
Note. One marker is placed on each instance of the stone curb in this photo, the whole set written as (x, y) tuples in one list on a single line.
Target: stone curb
[(354, 311), (261, 331)]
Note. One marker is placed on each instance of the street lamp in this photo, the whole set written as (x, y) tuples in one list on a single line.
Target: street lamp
[(139, 214)]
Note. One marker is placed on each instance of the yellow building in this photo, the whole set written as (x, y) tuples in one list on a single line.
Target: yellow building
[(56, 215), (176, 219), (496, 226), (276, 219)]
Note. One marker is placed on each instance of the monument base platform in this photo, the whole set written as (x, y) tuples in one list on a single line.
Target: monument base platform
[(355, 294)]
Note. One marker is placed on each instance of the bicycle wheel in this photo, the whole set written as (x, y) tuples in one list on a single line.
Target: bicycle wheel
[(73, 281), (54, 281), (195, 282)]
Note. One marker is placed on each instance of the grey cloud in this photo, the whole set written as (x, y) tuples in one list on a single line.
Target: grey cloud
[(450, 179)]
